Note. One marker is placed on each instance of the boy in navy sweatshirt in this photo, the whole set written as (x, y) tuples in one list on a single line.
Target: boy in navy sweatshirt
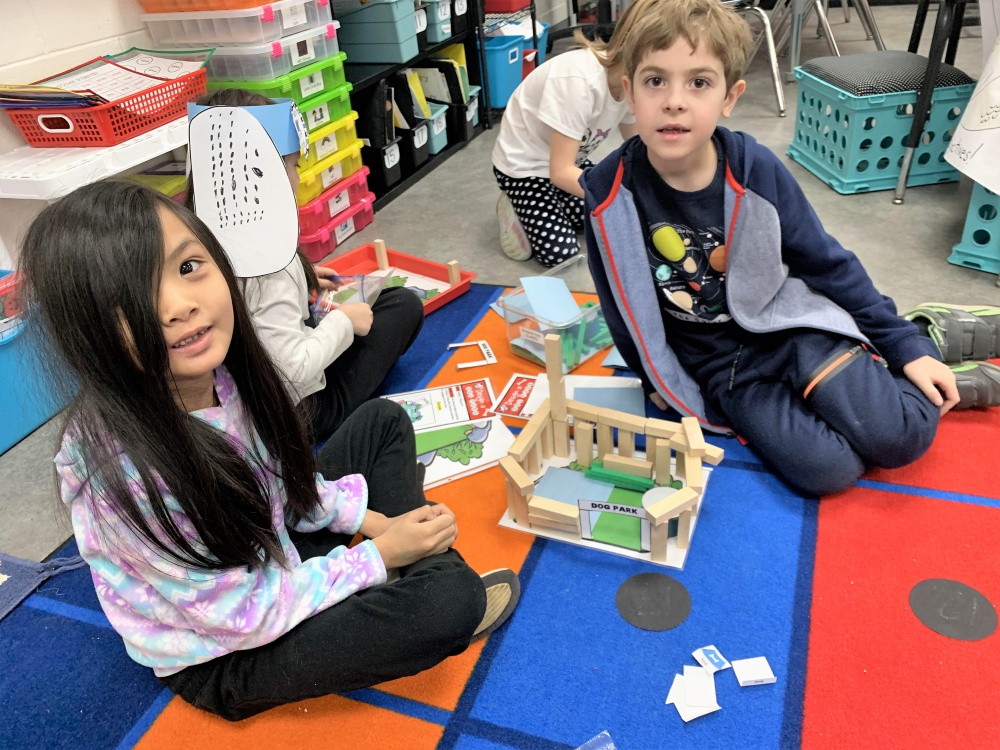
[(725, 295)]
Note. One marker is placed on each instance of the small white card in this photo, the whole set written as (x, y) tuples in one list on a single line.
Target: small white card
[(699, 687), (678, 697), (710, 658), (754, 671)]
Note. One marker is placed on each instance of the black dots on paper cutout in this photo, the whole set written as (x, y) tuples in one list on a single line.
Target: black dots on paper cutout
[(258, 172)]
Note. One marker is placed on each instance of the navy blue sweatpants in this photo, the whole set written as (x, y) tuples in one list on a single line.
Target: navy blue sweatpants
[(860, 416)]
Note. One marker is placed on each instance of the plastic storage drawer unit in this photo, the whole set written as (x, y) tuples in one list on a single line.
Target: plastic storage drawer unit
[(264, 62), (317, 213), (338, 135), (318, 245), (437, 134), (327, 107), (320, 177), (229, 27), (439, 21), (303, 84)]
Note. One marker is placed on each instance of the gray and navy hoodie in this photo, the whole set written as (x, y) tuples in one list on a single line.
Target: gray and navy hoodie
[(783, 270)]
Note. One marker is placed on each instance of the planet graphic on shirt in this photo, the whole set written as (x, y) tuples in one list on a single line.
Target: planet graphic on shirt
[(663, 272), (690, 265), (717, 258), (669, 244), (682, 299)]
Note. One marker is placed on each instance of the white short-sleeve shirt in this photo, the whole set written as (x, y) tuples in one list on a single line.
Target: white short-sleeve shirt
[(568, 94)]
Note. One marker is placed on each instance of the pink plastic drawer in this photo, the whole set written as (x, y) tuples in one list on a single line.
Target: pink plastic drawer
[(317, 213), (318, 245)]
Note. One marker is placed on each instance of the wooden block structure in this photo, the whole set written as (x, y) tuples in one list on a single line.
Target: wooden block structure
[(454, 273), (547, 434)]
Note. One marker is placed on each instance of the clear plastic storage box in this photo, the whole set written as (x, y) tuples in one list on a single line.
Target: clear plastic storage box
[(231, 27), (583, 336), (263, 62)]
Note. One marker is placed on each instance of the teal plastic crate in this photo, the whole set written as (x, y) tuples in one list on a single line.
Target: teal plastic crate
[(437, 139), (26, 403), (473, 105), (503, 68), (439, 21), (389, 52), (855, 144), (980, 245), (383, 23)]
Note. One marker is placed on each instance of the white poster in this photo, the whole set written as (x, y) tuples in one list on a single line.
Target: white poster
[(975, 146)]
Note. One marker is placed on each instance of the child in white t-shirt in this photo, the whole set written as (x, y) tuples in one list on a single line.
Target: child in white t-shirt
[(554, 120)]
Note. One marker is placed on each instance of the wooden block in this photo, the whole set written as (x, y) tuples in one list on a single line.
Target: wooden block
[(661, 512), (636, 467), (713, 454), (605, 440), (454, 273), (381, 257), (622, 421), (553, 357), (579, 410), (658, 542), (679, 442), (661, 428), (583, 437), (626, 443), (513, 471), (547, 515), (546, 440), (662, 454), (684, 530), (517, 504), (532, 461), (695, 437), (692, 473), (619, 479), (560, 438), (557, 399), (651, 449), (546, 524), (555, 508), (519, 448)]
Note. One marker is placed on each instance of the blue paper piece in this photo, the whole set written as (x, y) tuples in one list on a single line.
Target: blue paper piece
[(568, 486), (628, 400), (550, 299), (614, 359)]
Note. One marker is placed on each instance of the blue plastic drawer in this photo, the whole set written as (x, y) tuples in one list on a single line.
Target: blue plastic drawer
[(25, 402), (383, 53), (384, 23)]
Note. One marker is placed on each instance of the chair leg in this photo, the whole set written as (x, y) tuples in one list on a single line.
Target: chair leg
[(956, 31), (942, 30), (772, 56), (827, 31), (868, 20), (918, 25)]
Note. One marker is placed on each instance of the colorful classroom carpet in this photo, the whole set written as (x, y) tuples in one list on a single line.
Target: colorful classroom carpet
[(818, 587)]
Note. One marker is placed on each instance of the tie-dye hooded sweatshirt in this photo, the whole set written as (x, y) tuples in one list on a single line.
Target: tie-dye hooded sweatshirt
[(172, 616)]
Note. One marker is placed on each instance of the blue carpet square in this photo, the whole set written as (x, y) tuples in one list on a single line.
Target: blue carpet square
[(567, 642)]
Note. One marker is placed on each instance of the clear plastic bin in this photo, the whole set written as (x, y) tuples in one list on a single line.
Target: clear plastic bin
[(355, 218), (230, 27), (319, 177), (263, 62), (187, 6), (338, 135), (317, 213), (582, 337)]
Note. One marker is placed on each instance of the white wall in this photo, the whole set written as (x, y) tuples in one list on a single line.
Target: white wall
[(39, 38), (552, 11)]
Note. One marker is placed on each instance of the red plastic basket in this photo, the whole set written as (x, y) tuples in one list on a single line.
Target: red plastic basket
[(111, 123)]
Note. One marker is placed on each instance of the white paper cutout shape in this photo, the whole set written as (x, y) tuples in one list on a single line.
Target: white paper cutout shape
[(242, 190)]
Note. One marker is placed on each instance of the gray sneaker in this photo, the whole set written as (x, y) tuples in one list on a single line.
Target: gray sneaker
[(513, 240), (960, 332), (503, 590), (978, 385)]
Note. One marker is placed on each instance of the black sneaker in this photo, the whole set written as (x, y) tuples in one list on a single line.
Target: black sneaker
[(503, 590), (960, 332), (978, 385)]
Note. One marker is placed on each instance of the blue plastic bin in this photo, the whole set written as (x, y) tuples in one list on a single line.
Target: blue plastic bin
[(26, 403), (980, 245), (438, 128), (503, 68)]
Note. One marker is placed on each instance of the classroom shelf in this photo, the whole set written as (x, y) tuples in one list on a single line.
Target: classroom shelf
[(426, 168), (49, 173)]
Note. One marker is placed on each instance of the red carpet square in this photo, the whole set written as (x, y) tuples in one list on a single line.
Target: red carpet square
[(878, 677)]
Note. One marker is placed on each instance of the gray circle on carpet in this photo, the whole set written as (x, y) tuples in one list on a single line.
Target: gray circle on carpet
[(653, 601), (953, 609)]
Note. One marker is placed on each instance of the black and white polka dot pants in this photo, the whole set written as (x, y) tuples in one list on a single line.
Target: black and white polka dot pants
[(551, 217)]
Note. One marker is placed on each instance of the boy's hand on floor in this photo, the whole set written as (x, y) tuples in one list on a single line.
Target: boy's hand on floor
[(360, 315), (936, 381), (415, 535)]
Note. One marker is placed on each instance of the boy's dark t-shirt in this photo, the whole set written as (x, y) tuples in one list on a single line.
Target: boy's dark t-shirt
[(685, 246)]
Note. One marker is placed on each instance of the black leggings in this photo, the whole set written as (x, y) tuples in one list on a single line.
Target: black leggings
[(353, 377), (373, 636)]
